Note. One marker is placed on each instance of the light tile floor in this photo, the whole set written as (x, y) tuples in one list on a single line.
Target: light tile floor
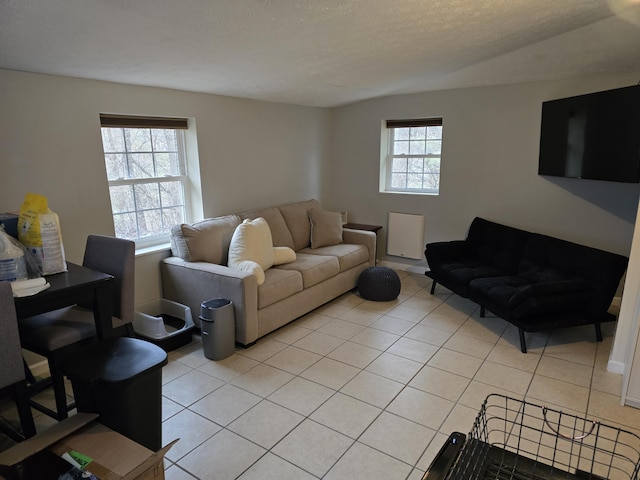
[(371, 390)]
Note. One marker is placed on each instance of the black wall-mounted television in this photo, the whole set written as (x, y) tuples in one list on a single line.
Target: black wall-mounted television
[(594, 136)]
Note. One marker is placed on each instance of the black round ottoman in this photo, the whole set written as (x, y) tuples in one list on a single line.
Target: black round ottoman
[(380, 284)]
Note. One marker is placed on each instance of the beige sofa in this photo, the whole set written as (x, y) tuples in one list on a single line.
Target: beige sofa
[(328, 261)]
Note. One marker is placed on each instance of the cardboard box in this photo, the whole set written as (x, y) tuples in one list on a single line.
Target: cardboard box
[(115, 457)]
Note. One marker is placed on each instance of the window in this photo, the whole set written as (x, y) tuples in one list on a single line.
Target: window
[(146, 171), (410, 156)]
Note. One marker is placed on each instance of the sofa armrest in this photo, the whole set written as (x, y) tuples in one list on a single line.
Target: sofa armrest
[(362, 237), (192, 283)]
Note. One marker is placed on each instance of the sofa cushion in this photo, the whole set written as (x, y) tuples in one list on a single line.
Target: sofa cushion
[(251, 248), (314, 268), (278, 285), (279, 231), (205, 241), (348, 255), (326, 228), (296, 215)]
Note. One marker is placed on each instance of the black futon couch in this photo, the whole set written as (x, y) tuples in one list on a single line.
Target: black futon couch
[(534, 281)]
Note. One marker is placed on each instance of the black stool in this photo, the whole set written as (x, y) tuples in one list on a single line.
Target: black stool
[(121, 379), (380, 284)]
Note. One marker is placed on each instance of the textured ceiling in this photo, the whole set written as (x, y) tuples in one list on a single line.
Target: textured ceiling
[(319, 52)]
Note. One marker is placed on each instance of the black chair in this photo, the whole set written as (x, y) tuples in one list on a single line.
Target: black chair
[(12, 372), (56, 334)]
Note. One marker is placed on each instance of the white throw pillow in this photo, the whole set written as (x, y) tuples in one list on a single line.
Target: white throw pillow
[(282, 255), (251, 248)]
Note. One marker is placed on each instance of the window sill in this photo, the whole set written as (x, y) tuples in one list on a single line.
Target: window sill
[(430, 194), (153, 249)]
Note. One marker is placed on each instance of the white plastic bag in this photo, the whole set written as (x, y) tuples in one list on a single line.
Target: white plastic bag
[(39, 231)]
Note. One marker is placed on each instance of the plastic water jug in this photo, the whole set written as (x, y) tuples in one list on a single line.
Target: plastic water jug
[(12, 263)]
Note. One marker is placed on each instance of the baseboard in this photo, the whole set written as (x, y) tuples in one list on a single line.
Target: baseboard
[(404, 267), (631, 402), (615, 367)]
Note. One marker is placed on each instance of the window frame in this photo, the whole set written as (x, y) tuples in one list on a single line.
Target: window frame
[(387, 155), (150, 123)]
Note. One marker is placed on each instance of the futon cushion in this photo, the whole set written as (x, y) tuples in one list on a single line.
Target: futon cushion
[(516, 298), (457, 276)]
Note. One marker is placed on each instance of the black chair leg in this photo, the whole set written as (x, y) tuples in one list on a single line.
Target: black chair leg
[(18, 392), (433, 287), (482, 311), (523, 343), (598, 331), (24, 410), (59, 391)]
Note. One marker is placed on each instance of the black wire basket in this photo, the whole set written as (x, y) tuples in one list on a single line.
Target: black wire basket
[(515, 440)]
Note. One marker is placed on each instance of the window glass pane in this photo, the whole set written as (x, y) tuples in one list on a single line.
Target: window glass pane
[(125, 225), (398, 180), (121, 198), (432, 165), (112, 140), (172, 216), (141, 165), (433, 147), (167, 164), (138, 139), (415, 165), (434, 132), (164, 140), (116, 164), (417, 147), (147, 196), (149, 223), (401, 134), (401, 148), (414, 180), (418, 133), (399, 165), (432, 181), (171, 194)]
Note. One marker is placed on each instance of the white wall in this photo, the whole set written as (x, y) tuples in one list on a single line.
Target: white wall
[(489, 167), (252, 154)]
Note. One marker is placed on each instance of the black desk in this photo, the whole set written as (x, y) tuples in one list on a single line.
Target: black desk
[(79, 285)]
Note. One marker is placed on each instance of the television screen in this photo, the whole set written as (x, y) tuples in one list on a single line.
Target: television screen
[(594, 136)]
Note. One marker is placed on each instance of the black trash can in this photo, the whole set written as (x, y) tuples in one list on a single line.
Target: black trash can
[(121, 380), (218, 328)]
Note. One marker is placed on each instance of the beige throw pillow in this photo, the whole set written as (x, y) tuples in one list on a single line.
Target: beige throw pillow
[(326, 228), (205, 241)]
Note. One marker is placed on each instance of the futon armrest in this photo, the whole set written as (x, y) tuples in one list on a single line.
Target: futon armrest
[(445, 252)]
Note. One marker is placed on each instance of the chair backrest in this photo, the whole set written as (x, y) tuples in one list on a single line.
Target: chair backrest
[(11, 366), (115, 256)]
